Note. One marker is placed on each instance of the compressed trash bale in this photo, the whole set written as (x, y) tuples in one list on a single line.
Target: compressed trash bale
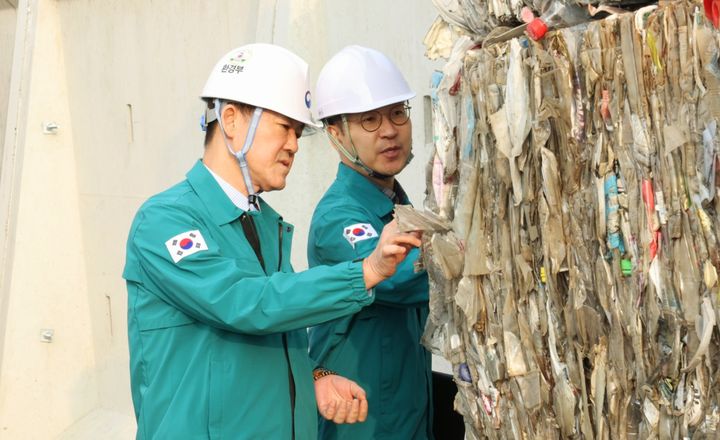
[(587, 300)]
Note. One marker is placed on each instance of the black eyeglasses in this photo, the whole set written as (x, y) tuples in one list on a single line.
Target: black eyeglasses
[(372, 120)]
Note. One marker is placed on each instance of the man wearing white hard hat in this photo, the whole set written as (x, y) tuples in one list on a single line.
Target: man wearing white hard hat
[(216, 316), (363, 100)]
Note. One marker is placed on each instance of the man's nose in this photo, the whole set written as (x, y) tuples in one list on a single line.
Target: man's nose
[(292, 142), (387, 128)]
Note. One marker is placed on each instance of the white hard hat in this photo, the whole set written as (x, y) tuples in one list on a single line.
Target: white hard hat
[(263, 75), (358, 79)]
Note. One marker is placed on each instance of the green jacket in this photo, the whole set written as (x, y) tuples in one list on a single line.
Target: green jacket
[(215, 340), (379, 347)]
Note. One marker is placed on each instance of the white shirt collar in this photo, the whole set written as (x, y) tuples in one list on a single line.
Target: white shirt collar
[(239, 199)]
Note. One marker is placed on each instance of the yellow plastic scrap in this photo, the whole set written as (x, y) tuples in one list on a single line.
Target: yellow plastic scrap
[(653, 50)]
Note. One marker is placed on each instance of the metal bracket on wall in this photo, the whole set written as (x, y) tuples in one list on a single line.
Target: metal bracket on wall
[(50, 127), (46, 335)]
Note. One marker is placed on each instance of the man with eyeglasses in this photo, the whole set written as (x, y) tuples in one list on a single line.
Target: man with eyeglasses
[(217, 317), (362, 100)]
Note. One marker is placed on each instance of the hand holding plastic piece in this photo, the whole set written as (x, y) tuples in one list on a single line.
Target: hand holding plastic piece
[(340, 399), (392, 248), (559, 14)]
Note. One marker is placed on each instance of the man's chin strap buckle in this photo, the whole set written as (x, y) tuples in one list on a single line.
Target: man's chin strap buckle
[(254, 201)]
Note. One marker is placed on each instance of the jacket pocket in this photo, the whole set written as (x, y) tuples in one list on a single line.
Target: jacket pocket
[(167, 319), (343, 326), (216, 399), (367, 313), (389, 362), (149, 312)]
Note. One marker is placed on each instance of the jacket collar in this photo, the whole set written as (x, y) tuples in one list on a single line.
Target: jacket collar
[(222, 210), (364, 191), (239, 199)]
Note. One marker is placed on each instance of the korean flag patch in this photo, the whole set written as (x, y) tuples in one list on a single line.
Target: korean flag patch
[(359, 232), (187, 243)]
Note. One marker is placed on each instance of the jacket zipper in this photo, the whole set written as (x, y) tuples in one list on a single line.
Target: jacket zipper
[(291, 378), (252, 237), (280, 238)]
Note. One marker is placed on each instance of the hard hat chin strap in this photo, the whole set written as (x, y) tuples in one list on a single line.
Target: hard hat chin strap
[(240, 155), (354, 158)]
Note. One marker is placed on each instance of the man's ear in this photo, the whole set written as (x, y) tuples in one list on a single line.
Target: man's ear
[(231, 120), (334, 130)]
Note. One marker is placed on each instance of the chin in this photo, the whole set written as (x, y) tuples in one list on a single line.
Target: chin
[(274, 186), (394, 171)]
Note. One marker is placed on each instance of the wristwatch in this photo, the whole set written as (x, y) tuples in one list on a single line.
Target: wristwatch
[(322, 372)]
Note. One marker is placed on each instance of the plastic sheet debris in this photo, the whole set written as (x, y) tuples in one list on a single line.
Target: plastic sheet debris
[(557, 14), (573, 251), (410, 219)]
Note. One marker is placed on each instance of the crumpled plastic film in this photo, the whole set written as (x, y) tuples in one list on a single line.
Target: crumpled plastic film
[(472, 16), (410, 219), (574, 280)]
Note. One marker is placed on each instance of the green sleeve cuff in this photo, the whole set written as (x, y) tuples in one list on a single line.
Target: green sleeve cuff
[(357, 283)]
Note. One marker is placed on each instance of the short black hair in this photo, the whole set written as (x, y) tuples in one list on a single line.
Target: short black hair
[(336, 121)]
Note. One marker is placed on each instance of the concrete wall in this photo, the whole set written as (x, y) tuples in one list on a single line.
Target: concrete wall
[(121, 79), (8, 21), (48, 358)]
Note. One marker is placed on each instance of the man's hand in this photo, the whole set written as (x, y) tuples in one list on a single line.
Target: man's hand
[(393, 246), (340, 400)]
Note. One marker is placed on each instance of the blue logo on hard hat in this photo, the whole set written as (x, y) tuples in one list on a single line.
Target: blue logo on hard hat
[(307, 99)]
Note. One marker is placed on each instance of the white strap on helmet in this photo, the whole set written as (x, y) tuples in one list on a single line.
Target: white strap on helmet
[(240, 155)]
